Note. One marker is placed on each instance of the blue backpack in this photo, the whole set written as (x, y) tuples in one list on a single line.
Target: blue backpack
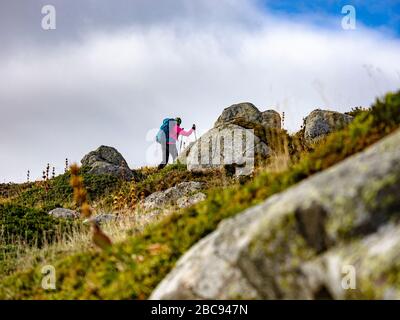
[(163, 133)]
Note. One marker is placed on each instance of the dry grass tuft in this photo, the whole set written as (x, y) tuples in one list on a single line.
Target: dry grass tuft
[(99, 238)]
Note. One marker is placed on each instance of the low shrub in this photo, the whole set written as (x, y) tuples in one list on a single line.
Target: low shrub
[(28, 225)]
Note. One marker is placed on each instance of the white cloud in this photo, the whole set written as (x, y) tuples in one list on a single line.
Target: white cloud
[(112, 87)]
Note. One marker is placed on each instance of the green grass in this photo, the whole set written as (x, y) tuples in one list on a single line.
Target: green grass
[(131, 270), (59, 192), (27, 227)]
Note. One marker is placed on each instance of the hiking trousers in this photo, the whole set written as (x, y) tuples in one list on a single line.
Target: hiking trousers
[(168, 149)]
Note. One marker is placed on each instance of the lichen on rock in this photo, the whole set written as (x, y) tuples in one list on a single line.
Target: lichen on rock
[(107, 160), (319, 123), (181, 195), (240, 135)]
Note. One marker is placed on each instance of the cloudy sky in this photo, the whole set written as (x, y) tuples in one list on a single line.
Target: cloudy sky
[(112, 70)]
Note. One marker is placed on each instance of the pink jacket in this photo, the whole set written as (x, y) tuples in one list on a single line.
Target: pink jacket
[(176, 132)]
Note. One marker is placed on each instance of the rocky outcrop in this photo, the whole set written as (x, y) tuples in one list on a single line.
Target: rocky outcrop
[(226, 144), (249, 116), (64, 213), (107, 160), (238, 137), (271, 119), (319, 123), (187, 201), (306, 242), (181, 195), (246, 111)]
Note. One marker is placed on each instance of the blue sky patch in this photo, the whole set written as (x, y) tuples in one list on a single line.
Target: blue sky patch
[(383, 15)]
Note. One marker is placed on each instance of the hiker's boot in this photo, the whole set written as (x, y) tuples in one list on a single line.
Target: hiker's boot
[(161, 165)]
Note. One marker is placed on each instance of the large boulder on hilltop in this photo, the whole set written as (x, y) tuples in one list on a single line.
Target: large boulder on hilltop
[(246, 111), (238, 137), (271, 119), (306, 242), (226, 144), (319, 123), (104, 154), (107, 160)]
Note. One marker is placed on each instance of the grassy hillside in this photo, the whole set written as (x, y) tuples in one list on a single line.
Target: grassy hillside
[(132, 268), (57, 192), (30, 237)]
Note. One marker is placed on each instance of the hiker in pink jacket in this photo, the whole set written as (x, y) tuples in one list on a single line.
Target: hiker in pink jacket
[(168, 144)]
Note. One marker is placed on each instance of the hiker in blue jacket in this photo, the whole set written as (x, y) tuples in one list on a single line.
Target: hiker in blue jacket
[(168, 135)]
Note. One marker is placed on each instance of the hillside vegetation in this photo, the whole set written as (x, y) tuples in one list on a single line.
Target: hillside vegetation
[(132, 267)]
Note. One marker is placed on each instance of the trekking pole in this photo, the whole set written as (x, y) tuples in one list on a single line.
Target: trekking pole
[(194, 129), (180, 147)]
